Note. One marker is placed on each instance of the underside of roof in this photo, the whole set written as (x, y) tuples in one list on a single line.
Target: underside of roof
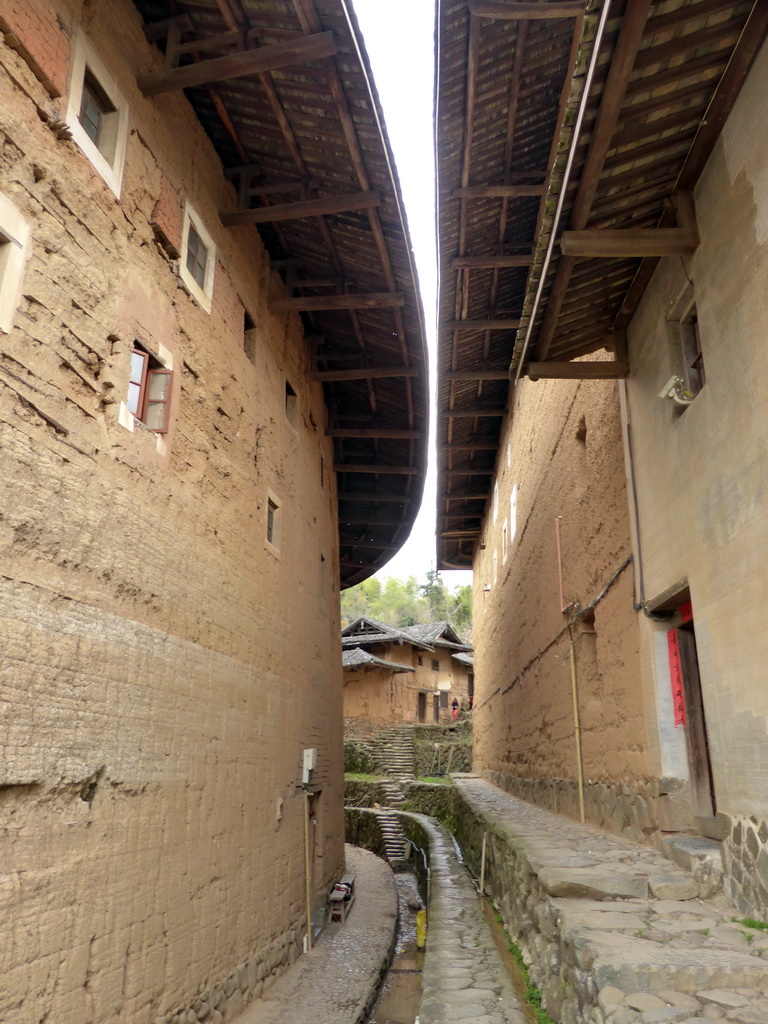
[(568, 144), (284, 91)]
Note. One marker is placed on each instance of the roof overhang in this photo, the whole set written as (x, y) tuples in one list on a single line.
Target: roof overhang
[(284, 91), (568, 145)]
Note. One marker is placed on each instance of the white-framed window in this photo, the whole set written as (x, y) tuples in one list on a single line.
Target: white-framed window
[(495, 501), (150, 386), (274, 523), (683, 324), (504, 541), (97, 114), (512, 513), (14, 244), (198, 258)]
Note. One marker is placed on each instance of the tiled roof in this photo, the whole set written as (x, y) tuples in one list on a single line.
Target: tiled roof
[(358, 658)]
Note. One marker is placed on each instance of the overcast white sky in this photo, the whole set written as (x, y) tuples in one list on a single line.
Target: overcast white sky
[(402, 63)]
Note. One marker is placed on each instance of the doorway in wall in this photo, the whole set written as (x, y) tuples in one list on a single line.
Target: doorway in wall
[(422, 707), (436, 707), (689, 707)]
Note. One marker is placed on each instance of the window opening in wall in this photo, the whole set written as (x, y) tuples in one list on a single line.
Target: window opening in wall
[(197, 256), (435, 665), (149, 390), (513, 513), (419, 660), (443, 698), (291, 405), (14, 243), (97, 114), (198, 259), (272, 511), (495, 501), (95, 111), (504, 540), (694, 360)]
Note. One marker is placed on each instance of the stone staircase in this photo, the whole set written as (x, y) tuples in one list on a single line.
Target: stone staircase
[(395, 752), (394, 838), (393, 793)]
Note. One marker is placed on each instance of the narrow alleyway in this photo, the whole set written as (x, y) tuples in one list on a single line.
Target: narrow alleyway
[(624, 935)]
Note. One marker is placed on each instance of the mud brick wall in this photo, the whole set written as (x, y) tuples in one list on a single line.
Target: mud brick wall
[(161, 668)]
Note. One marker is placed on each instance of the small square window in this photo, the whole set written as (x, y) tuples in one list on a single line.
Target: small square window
[(97, 114), (198, 259), (149, 390), (435, 665), (419, 660)]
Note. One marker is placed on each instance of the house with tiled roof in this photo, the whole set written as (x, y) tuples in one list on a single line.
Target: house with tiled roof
[(404, 674)]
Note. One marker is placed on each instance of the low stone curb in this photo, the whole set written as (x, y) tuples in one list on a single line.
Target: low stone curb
[(614, 933)]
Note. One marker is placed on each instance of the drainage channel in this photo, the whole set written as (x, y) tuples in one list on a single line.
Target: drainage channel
[(400, 995), (513, 968)]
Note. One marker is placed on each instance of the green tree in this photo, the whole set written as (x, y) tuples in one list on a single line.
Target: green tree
[(407, 602)]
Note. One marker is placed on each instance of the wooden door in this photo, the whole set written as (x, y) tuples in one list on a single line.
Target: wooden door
[(422, 707), (436, 707), (702, 787)]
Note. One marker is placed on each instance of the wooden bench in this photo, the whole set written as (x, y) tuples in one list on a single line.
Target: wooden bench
[(341, 898)]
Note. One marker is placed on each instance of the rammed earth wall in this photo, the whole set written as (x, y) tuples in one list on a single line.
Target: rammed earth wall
[(162, 669)]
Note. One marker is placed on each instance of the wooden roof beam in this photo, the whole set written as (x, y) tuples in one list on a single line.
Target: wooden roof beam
[(376, 467), (611, 244), (240, 64), (524, 11), (471, 447), (305, 208), (472, 412), (628, 44), (480, 325), (498, 191), (364, 300), (467, 496), (460, 533), (605, 370), (471, 375), (375, 496), (490, 262), (374, 432), (364, 373)]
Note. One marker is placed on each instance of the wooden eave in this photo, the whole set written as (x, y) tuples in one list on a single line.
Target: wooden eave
[(508, 91), (306, 137)]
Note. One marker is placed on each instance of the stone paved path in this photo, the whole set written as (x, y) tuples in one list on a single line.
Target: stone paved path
[(465, 981), (337, 981), (619, 922)]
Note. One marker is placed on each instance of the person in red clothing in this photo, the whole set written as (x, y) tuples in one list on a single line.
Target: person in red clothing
[(455, 709)]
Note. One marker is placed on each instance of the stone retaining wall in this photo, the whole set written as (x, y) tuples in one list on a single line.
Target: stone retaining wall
[(454, 743), (745, 859), (228, 998), (362, 829), (363, 794)]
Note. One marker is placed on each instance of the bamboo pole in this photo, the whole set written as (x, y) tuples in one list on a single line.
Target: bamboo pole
[(577, 730), (482, 864), (307, 877)]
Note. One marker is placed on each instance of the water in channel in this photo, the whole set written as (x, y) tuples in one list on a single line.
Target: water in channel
[(400, 995)]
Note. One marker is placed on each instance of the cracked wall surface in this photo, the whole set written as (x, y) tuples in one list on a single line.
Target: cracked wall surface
[(162, 669)]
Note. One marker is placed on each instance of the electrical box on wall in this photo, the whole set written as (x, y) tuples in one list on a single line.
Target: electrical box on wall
[(310, 759)]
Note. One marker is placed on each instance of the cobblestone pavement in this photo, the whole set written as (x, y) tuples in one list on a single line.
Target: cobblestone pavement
[(619, 923), (336, 981), (465, 981)]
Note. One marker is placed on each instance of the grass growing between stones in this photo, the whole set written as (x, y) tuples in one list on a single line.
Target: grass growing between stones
[(360, 777), (532, 992), (439, 780), (750, 922)]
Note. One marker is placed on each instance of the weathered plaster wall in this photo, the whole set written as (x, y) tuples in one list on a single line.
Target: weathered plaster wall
[(162, 669), (560, 455), (701, 473)]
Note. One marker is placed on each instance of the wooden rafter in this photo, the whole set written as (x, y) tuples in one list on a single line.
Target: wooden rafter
[(305, 208), (364, 373), (364, 300), (239, 64), (604, 370), (524, 11)]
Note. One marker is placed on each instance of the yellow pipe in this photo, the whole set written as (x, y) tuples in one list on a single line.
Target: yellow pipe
[(577, 730)]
